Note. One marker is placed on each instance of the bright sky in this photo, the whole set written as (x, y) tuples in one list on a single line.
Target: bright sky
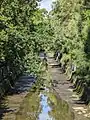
[(46, 4)]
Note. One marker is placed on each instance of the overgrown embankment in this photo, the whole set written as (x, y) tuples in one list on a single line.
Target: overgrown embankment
[(24, 31), (70, 20), (64, 90)]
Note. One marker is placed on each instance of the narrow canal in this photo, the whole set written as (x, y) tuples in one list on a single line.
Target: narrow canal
[(44, 104), (43, 99), (40, 103)]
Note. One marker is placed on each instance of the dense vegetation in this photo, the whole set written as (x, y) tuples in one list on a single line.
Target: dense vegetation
[(70, 20), (24, 31)]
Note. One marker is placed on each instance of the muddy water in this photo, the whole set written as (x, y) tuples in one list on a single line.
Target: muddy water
[(44, 105)]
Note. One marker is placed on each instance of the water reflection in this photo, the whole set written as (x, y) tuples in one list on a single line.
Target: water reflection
[(44, 105), (44, 115)]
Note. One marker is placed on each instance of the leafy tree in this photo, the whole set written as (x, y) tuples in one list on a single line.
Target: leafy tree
[(70, 21), (24, 31)]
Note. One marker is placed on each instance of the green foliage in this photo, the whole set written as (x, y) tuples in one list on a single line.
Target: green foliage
[(70, 20), (24, 31)]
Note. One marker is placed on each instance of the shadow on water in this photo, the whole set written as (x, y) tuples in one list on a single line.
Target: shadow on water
[(22, 85), (44, 105)]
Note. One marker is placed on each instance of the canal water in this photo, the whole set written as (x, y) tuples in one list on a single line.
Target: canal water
[(44, 105)]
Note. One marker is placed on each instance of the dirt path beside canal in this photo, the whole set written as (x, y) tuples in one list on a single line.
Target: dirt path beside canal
[(65, 91)]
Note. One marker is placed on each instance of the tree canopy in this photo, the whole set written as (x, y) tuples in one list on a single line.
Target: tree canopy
[(24, 31)]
